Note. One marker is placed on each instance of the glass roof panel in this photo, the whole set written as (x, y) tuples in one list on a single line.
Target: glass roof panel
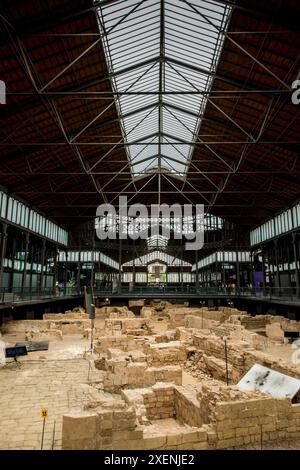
[(142, 123), (156, 53), (157, 241), (141, 152), (157, 255)]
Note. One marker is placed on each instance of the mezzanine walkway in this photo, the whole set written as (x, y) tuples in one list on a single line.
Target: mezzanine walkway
[(18, 296)]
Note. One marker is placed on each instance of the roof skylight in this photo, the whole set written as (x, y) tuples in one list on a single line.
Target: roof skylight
[(157, 256), (161, 50), (157, 241)]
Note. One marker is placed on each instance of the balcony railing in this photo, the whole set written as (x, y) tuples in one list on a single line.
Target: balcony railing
[(24, 294), (18, 294)]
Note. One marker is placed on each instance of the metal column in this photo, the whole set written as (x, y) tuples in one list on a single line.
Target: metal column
[(197, 270), (296, 257), (133, 265), (287, 247), (3, 252), (24, 274), (79, 270), (263, 269), (55, 268), (223, 269), (238, 276), (31, 263), (252, 283), (92, 281), (181, 267), (66, 272), (42, 277), (14, 249), (277, 262), (120, 266)]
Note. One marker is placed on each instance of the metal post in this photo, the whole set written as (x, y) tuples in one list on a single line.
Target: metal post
[(216, 275), (223, 270), (93, 264), (53, 435), (263, 270), (120, 265), (89, 301), (294, 235), (66, 272), (251, 272), (238, 279), (197, 271), (24, 274), (92, 317), (181, 267), (41, 287), (92, 269), (43, 432), (3, 252), (92, 332), (277, 264), (273, 271), (14, 249), (31, 265), (133, 266), (226, 362), (55, 269), (78, 270), (2, 293), (287, 247)]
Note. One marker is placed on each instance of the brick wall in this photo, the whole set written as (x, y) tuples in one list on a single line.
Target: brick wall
[(232, 419), (63, 323), (138, 374), (123, 342), (241, 357), (187, 407), (104, 429), (158, 354), (195, 321), (255, 421), (119, 326), (159, 402)]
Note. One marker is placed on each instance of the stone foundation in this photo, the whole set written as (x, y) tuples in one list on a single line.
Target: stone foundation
[(213, 418), (137, 396), (126, 325)]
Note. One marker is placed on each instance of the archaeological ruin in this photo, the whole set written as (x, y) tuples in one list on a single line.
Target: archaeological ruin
[(169, 377)]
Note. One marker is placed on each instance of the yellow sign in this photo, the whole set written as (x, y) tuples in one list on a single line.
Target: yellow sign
[(44, 413)]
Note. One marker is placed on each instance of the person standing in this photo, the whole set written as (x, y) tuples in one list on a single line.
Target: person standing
[(57, 289)]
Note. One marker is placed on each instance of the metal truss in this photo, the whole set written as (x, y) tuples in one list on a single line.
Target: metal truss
[(149, 118)]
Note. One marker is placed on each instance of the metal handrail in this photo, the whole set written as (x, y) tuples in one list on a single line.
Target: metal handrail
[(21, 294)]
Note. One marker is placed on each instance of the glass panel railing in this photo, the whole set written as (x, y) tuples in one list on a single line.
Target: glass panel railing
[(27, 294)]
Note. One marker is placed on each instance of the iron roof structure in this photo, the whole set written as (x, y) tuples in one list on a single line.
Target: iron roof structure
[(153, 46), (162, 101)]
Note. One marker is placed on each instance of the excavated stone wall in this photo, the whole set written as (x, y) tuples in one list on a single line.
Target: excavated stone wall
[(240, 355), (172, 352), (126, 325), (214, 417), (142, 374)]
